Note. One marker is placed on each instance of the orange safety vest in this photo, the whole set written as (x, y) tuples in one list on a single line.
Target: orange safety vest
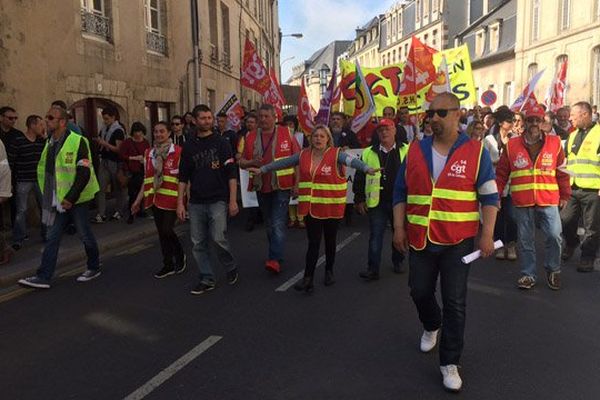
[(282, 147), (529, 185), (445, 212), (166, 195), (322, 193)]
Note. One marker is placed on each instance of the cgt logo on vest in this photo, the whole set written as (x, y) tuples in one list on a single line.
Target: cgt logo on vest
[(547, 159), (326, 170), (458, 169), (284, 146)]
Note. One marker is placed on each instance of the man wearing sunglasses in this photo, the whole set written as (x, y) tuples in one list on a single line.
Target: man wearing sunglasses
[(8, 120), (538, 187), (177, 130), (67, 180), (440, 187)]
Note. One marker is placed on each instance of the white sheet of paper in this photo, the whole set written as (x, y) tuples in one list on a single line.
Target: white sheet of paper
[(469, 258)]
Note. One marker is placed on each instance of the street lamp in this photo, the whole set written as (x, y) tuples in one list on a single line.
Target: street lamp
[(294, 35)]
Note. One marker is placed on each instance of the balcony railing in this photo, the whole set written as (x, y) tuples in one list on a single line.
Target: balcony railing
[(97, 25), (214, 54), (156, 42), (226, 60)]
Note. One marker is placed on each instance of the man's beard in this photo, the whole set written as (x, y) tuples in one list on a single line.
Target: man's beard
[(437, 129)]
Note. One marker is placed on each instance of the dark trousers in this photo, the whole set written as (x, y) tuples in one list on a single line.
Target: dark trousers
[(315, 228), (134, 186), (584, 204), (425, 266), (379, 217), (169, 242), (505, 228)]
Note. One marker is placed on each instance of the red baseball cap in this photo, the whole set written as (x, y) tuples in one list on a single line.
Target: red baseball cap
[(385, 122), (535, 111)]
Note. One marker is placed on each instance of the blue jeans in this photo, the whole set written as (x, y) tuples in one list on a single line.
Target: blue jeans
[(22, 195), (80, 218), (424, 268), (274, 208), (208, 225), (549, 221), (378, 220)]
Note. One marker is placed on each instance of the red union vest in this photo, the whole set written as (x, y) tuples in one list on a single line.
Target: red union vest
[(166, 195), (282, 147), (445, 212), (533, 184), (322, 194)]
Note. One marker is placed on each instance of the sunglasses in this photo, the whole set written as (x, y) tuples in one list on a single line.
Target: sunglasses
[(442, 112), (11, 118)]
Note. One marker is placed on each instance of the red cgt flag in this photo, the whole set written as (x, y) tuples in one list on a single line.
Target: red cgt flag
[(274, 95), (556, 95), (305, 112), (419, 70), (254, 74)]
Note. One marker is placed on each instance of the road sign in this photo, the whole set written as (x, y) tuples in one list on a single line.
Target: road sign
[(489, 97)]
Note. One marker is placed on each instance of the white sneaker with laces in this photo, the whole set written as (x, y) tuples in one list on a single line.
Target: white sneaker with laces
[(429, 340), (452, 381)]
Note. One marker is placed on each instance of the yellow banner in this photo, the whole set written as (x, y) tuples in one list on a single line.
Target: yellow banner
[(384, 82)]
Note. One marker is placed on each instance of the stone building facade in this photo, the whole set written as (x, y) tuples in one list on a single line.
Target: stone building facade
[(134, 54)]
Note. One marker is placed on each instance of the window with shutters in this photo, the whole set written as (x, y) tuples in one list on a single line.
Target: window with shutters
[(532, 69), (507, 93), (596, 75), (96, 19), (155, 15), (565, 14), (213, 33), (495, 36), (480, 42), (226, 56), (535, 20)]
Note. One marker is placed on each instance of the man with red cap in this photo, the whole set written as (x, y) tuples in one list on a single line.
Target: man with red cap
[(373, 194), (533, 163)]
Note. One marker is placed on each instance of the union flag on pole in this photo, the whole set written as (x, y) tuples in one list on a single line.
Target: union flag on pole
[(555, 99), (274, 95), (327, 100), (524, 100), (365, 105), (254, 74), (305, 112), (419, 70)]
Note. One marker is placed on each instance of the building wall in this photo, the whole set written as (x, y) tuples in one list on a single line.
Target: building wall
[(44, 56), (578, 42), (500, 77)]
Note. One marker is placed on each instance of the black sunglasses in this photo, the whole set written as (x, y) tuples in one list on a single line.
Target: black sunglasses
[(442, 112)]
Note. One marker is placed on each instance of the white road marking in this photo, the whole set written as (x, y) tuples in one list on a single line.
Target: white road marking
[(120, 326), (290, 282), (172, 369)]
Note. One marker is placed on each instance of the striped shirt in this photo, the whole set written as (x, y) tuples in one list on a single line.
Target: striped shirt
[(23, 157)]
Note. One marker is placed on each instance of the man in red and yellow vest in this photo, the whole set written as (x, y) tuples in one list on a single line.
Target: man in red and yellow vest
[(271, 143), (439, 188), (538, 188), (583, 159)]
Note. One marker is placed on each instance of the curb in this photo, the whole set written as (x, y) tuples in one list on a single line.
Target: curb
[(72, 260)]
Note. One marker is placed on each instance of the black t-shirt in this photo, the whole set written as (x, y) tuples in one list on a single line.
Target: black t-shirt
[(207, 164), (23, 157), (118, 134)]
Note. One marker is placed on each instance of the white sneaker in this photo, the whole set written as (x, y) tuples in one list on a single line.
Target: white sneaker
[(429, 340), (452, 381)]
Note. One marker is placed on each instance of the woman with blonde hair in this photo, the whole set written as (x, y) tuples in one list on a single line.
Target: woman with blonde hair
[(321, 187)]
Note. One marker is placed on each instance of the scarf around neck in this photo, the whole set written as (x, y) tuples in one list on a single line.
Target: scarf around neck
[(160, 154)]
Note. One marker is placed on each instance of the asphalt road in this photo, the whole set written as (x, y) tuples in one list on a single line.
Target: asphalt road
[(127, 333)]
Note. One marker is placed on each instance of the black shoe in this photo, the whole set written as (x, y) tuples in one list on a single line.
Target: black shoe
[(232, 276), (369, 275), (181, 267), (17, 246), (306, 285), (164, 272), (399, 268), (567, 253), (329, 280), (203, 287)]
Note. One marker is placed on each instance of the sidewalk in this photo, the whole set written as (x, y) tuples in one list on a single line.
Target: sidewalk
[(110, 235)]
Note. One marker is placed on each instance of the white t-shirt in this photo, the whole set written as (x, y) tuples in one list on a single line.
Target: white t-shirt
[(439, 161)]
